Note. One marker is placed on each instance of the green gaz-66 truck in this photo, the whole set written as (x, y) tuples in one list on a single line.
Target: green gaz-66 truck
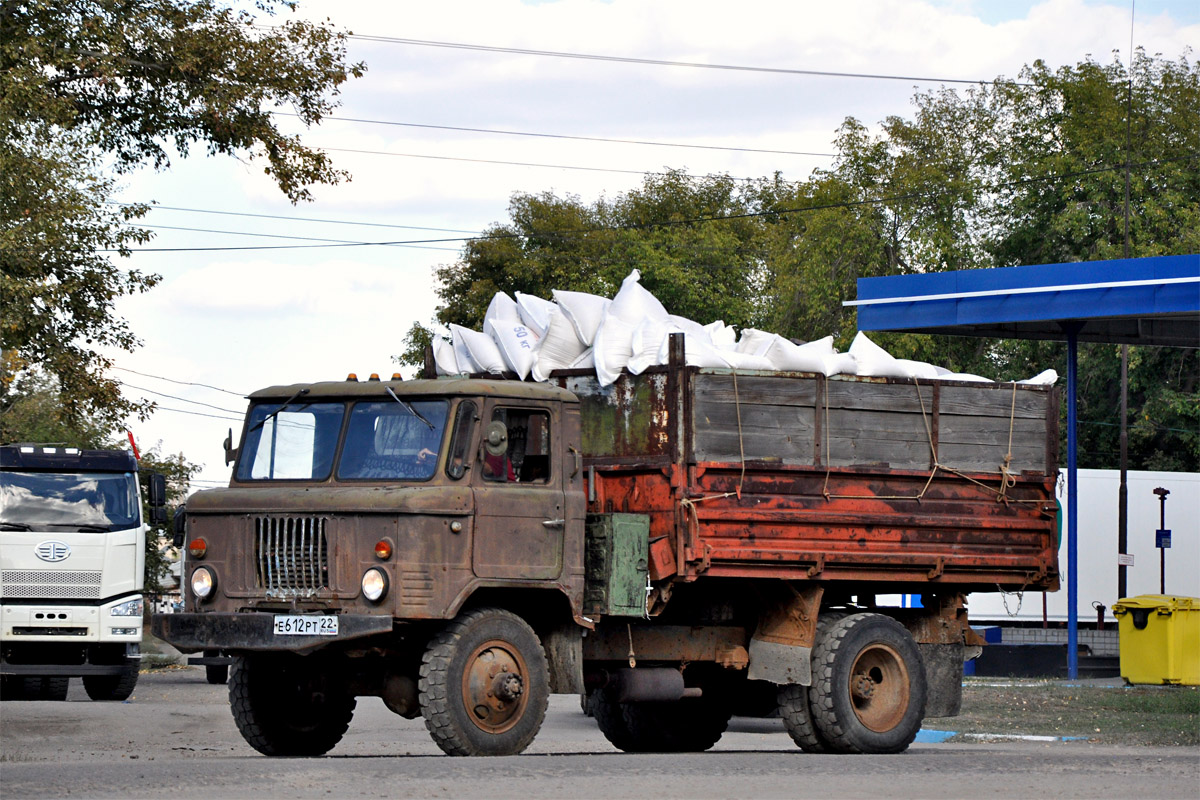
[(679, 545)]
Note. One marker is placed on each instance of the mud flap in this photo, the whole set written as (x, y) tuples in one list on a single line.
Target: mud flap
[(564, 657), (944, 677)]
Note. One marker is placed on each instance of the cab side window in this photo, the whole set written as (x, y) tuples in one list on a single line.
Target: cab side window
[(527, 457)]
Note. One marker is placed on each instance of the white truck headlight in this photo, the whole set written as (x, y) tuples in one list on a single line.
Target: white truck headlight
[(374, 584), (130, 608), (203, 582)]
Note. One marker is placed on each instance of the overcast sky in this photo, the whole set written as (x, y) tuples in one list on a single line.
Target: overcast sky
[(242, 319)]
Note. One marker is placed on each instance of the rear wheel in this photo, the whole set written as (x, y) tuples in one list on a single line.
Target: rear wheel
[(289, 705), (795, 702), (484, 685), (868, 690), (112, 687), (691, 725)]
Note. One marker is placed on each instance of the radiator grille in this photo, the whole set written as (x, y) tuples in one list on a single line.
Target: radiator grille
[(50, 584), (292, 555)]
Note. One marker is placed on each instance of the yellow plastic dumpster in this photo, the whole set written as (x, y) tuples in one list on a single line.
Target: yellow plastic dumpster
[(1160, 639)]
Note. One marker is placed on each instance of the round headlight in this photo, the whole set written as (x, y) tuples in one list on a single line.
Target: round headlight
[(374, 585), (203, 582)]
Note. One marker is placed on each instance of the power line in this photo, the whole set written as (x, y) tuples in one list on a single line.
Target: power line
[(298, 219), (539, 135), (275, 236), (664, 63), (696, 220), (175, 397), (196, 413), (502, 163), (181, 383)]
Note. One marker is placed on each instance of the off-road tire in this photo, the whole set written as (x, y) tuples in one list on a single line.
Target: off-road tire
[(16, 687), (289, 705), (56, 688), (691, 725), (112, 687), (465, 710), (868, 690), (795, 704)]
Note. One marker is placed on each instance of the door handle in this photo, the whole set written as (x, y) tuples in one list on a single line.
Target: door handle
[(554, 523)]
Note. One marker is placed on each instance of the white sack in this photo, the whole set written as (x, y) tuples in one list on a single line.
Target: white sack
[(462, 355), (645, 343), (613, 348), (721, 336), (746, 361), (586, 360), (559, 348), (756, 342), (518, 344), (962, 376), (873, 361), (808, 357), (443, 357), (1046, 378), (917, 369), (534, 311), (584, 311), (502, 309), (840, 364), (482, 349), (634, 303), (698, 350)]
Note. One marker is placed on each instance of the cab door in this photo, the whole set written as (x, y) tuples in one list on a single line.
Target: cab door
[(519, 503)]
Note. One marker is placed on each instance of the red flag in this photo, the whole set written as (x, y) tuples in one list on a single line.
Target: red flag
[(133, 444)]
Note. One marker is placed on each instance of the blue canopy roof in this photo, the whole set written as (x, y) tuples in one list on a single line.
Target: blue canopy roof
[(1153, 301)]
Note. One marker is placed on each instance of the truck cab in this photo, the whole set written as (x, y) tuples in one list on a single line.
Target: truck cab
[(72, 559), (360, 517)]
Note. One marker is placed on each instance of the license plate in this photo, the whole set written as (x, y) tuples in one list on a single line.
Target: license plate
[(321, 625)]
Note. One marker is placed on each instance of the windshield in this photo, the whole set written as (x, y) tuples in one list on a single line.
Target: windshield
[(292, 442), (80, 501), (390, 440)]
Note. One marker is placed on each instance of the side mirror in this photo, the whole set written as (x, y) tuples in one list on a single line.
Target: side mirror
[(231, 452), (157, 484), (179, 527)]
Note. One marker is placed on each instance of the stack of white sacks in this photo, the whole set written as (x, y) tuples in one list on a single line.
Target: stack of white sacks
[(533, 337)]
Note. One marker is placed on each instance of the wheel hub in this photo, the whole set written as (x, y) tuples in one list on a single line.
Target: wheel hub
[(879, 689), (493, 686)]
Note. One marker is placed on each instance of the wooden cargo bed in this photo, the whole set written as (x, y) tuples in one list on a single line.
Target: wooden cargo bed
[(798, 476)]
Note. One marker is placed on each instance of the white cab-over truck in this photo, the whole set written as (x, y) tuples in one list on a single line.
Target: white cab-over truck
[(72, 559)]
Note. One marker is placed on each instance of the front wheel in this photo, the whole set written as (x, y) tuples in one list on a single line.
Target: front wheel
[(289, 705), (868, 689), (112, 687), (484, 685)]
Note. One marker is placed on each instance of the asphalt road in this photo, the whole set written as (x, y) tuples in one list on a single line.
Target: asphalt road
[(176, 738)]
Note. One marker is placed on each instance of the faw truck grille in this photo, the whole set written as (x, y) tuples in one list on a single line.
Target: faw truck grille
[(292, 555), (50, 584)]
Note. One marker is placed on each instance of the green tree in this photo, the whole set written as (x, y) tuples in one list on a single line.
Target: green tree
[(91, 89)]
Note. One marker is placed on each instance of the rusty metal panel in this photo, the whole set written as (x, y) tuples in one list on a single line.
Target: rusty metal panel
[(664, 643), (629, 418)]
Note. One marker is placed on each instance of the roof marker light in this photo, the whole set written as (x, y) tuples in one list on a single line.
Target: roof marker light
[(352, 377)]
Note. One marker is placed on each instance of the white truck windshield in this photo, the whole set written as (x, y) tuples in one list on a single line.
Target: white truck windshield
[(81, 501)]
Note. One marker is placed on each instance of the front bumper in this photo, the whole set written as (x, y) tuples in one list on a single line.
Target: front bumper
[(254, 631)]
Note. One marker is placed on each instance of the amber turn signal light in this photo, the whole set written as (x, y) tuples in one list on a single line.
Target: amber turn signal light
[(383, 550), (197, 548)]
